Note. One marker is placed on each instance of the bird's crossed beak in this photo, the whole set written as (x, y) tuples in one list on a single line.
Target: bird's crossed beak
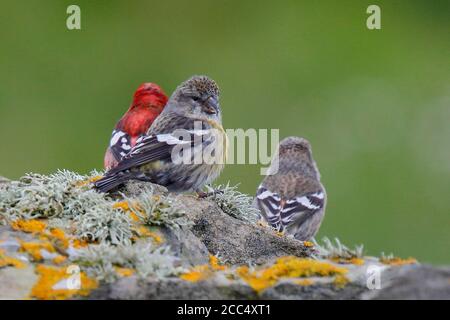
[(211, 106)]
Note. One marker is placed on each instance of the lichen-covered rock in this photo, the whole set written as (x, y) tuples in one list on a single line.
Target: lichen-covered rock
[(16, 283), (143, 242), (236, 241), (410, 284), (135, 288), (4, 180), (185, 245), (413, 282)]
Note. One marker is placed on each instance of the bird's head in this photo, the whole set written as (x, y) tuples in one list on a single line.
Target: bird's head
[(149, 95), (197, 97), (296, 147), (294, 153)]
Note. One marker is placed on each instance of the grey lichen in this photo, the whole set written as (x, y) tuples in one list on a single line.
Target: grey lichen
[(66, 196), (156, 209), (235, 203), (101, 261), (42, 196), (66, 200), (69, 200), (335, 249)]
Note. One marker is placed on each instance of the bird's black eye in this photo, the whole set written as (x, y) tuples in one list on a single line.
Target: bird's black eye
[(195, 98)]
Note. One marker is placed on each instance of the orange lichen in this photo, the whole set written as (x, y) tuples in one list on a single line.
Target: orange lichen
[(34, 249), (355, 261), (6, 261), (124, 272), (59, 259), (262, 223), (396, 261), (48, 240), (56, 236), (144, 232), (134, 216), (79, 243), (60, 236), (202, 272), (83, 183), (198, 273), (304, 282), (340, 281), (126, 207), (29, 226), (287, 267), (49, 277), (214, 263), (308, 244)]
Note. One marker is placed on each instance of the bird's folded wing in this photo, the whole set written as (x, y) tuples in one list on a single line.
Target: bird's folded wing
[(300, 209), (270, 205), (283, 213), (159, 147), (120, 144)]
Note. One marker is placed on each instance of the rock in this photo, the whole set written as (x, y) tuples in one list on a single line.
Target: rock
[(9, 239), (236, 241), (186, 246), (134, 188), (409, 282), (135, 288), (414, 282), (210, 231), (16, 283)]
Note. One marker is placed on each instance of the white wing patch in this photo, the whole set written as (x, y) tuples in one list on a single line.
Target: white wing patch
[(116, 135), (304, 202), (120, 144), (301, 207), (173, 138), (170, 139), (270, 205), (280, 213)]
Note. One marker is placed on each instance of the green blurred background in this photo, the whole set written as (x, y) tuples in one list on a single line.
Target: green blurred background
[(374, 104)]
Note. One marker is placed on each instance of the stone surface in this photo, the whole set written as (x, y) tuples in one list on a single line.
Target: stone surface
[(134, 288), (16, 283), (414, 282), (236, 241), (211, 231), (186, 246), (408, 282)]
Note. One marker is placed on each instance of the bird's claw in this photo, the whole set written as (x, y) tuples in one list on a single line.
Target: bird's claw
[(203, 194)]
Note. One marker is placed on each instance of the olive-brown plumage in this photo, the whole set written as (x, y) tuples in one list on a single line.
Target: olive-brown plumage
[(174, 151), (291, 198)]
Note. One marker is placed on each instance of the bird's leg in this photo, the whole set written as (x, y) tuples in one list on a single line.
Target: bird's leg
[(202, 194), (211, 192)]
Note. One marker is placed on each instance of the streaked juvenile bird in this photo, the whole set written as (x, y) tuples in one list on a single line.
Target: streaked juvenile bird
[(185, 147), (291, 198), (148, 102)]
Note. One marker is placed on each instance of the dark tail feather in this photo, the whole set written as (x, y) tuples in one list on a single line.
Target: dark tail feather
[(108, 183)]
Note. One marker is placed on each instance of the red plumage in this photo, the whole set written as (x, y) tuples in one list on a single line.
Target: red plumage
[(148, 102)]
